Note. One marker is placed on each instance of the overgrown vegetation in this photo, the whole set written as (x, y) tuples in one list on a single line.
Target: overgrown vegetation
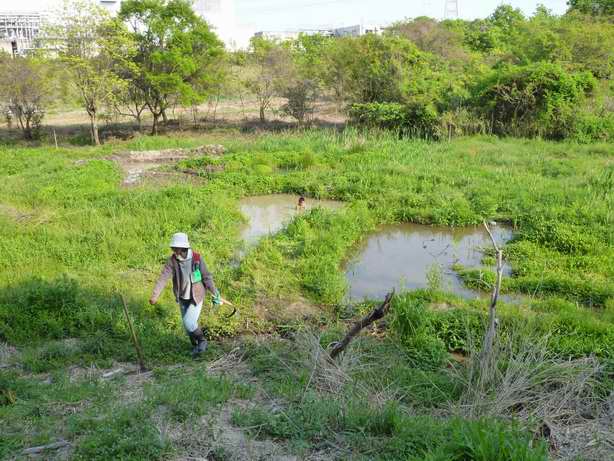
[(59, 304), (73, 239), (540, 76)]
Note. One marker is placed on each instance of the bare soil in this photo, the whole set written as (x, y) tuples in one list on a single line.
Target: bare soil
[(140, 165)]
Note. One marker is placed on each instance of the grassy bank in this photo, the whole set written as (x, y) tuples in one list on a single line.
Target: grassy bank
[(72, 239)]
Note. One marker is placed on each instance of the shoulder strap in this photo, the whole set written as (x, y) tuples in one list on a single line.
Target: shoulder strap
[(195, 260)]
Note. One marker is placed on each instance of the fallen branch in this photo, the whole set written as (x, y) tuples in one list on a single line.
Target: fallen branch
[(376, 314), (41, 448)]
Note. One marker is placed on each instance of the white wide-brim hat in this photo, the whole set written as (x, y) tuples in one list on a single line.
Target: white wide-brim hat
[(180, 240)]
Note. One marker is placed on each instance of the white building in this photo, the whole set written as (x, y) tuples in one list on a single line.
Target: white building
[(350, 31), (18, 32), (282, 35), (356, 31), (112, 6)]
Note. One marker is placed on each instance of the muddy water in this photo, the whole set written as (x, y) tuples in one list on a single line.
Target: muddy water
[(401, 256), (268, 214)]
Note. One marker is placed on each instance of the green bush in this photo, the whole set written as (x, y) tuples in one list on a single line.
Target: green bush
[(593, 128), (414, 119), (539, 99)]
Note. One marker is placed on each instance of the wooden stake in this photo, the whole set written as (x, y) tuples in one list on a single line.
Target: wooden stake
[(134, 338), (55, 138)]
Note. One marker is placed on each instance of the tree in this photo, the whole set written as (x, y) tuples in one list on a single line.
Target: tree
[(24, 91), (130, 102), (592, 7), (174, 48), (88, 41), (379, 69), (591, 44), (429, 35), (540, 99), (302, 96), (271, 69)]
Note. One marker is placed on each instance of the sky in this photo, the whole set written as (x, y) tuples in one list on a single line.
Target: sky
[(280, 15)]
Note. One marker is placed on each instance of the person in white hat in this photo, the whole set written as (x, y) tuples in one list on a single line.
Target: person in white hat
[(191, 279)]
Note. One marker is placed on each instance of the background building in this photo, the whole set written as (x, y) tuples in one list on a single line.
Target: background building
[(112, 6), (18, 31), (290, 34), (356, 31), (349, 31)]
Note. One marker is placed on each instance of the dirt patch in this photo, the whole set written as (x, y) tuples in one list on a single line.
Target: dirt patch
[(285, 310), (14, 214), (458, 357), (239, 446), (216, 438), (139, 165)]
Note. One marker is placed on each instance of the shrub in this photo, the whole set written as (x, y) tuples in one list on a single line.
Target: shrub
[(593, 128), (301, 96), (414, 119), (535, 100)]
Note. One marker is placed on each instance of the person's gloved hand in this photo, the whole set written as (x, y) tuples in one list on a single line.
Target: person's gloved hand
[(217, 299)]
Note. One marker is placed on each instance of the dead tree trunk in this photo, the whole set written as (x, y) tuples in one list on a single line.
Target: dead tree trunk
[(376, 314), (491, 331)]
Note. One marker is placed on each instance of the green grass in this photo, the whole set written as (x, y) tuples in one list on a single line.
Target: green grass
[(387, 433), (94, 239), (72, 239)]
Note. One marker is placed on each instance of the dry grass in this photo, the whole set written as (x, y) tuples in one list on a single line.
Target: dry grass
[(233, 360), (558, 397), (8, 354), (327, 375)]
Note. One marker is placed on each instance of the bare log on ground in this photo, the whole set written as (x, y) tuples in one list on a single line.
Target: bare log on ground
[(41, 448), (491, 331), (375, 315), (110, 374)]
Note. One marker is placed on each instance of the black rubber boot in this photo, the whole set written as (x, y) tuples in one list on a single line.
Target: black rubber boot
[(198, 340)]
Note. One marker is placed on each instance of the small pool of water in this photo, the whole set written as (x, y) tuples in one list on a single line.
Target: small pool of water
[(268, 214), (401, 256)]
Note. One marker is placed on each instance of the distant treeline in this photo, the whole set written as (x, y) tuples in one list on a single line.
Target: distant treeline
[(511, 75)]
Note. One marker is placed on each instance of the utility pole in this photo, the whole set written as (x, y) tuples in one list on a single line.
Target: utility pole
[(451, 10)]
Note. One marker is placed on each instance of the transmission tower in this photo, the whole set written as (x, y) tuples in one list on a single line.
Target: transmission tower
[(451, 9)]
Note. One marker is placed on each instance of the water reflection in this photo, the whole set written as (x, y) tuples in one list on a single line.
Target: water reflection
[(268, 214), (402, 255)]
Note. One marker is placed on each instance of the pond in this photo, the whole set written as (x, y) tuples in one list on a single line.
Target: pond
[(268, 214), (401, 256)]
